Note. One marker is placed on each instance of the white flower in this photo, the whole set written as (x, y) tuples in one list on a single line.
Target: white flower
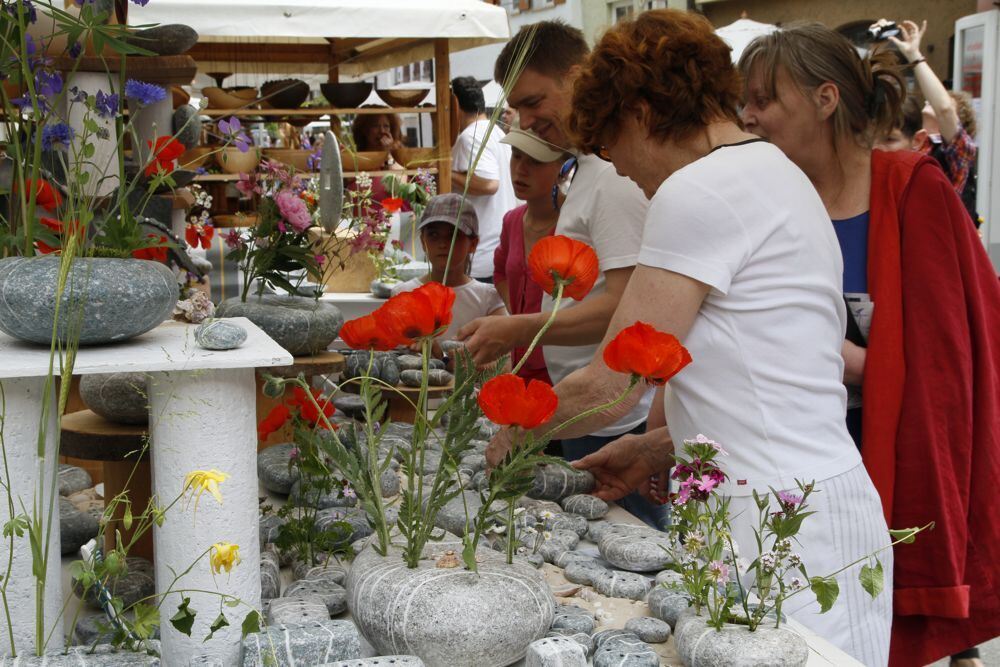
[(794, 560), (545, 514), (519, 510), (796, 583)]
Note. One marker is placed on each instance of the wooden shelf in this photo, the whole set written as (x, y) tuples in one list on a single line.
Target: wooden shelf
[(225, 178), (313, 111)]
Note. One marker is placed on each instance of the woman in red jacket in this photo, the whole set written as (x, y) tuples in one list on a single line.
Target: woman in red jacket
[(924, 351)]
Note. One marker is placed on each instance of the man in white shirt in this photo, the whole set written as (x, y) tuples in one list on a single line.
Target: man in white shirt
[(601, 208), (490, 191)]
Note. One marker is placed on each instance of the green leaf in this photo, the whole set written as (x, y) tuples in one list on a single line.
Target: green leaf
[(872, 578), (219, 623), (147, 618), (251, 623), (89, 150), (826, 591), (469, 553), (183, 620), (904, 535), (16, 526)]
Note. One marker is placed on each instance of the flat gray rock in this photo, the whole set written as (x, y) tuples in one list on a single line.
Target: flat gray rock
[(118, 397), (73, 479), (670, 578), (398, 430), (410, 362), (319, 500), (568, 557), (187, 125), (636, 549), (452, 517), (389, 483), (596, 529), (553, 482), (623, 648), (328, 571), (301, 325), (103, 655), (332, 594), (220, 335), (314, 643), (583, 573), (381, 290), (170, 39), (270, 524), (270, 575), (585, 505), (351, 405), (667, 605), (138, 582), (571, 522), (572, 618), (273, 469), (381, 661), (651, 630), (288, 610), (735, 646), (555, 652), (622, 585), (76, 528)]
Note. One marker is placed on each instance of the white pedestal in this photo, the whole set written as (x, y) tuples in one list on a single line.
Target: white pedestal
[(103, 166), (202, 417)]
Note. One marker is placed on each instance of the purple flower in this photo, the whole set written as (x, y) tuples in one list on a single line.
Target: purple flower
[(75, 49), (233, 131), (315, 159), (293, 210), (789, 499), (144, 93), (48, 84), (106, 104), (141, 3), (59, 133), (201, 171), (348, 492), (29, 44), (29, 11)]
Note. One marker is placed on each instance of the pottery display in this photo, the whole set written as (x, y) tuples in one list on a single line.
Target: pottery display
[(284, 94), (346, 95), (232, 161), (402, 97), (363, 160), (229, 98), (293, 157)]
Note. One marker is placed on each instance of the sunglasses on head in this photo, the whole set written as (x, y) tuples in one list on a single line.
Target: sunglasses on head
[(566, 174)]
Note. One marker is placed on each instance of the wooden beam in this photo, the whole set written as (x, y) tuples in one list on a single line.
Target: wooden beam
[(442, 119), (154, 69), (358, 51), (239, 52)]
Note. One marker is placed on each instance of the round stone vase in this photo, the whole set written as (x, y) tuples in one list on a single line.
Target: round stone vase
[(301, 325), (700, 645), (105, 300), (449, 616)]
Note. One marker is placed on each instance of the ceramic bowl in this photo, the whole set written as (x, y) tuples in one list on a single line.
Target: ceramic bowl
[(284, 94), (402, 97), (194, 157), (296, 158), (232, 161), (415, 158), (228, 98), (363, 160), (346, 95)]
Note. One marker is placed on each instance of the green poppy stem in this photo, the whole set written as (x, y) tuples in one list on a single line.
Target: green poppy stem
[(556, 299)]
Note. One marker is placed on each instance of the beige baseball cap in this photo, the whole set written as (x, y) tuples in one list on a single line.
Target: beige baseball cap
[(533, 145)]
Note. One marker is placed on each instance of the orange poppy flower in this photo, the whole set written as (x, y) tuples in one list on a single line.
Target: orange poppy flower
[(643, 351), (560, 258), (306, 408), (163, 154), (46, 196), (197, 235), (157, 253), (417, 314), (274, 420), (392, 204), (508, 400), (364, 333)]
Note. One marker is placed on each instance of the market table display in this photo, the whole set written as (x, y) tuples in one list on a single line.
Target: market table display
[(195, 395)]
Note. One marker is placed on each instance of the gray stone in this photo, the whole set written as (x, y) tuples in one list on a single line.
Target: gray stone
[(651, 630), (270, 575), (573, 618), (206, 661), (313, 643), (626, 653), (480, 481), (438, 377), (171, 39), (622, 585), (220, 335), (585, 505), (452, 517), (536, 560), (398, 430), (667, 605), (595, 529), (568, 557), (670, 578), (389, 483), (635, 548), (389, 372), (118, 397), (332, 594), (93, 629), (103, 655), (553, 481), (270, 525), (76, 528), (73, 479), (435, 378), (288, 610), (380, 289), (568, 522), (119, 298), (356, 518), (333, 498), (555, 652), (699, 644), (299, 324), (410, 378), (327, 571), (476, 462), (539, 507), (137, 583), (584, 640), (567, 538), (381, 661), (187, 126), (583, 573), (273, 468), (604, 636), (410, 362), (351, 405)]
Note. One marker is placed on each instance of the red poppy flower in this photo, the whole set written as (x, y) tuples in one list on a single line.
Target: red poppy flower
[(364, 333), (564, 259), (507, 400), (46, 196), (392, 204), (643, 351), (274, 420), (157, 253), (163, 154), (418, 314), (53, 224), (44, 248), (199, 234), (306, 408)]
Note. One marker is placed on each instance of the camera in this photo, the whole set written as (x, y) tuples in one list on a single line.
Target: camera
[(883, 31)]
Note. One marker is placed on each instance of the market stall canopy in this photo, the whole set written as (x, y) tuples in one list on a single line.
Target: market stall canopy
[(308, 36), (741, 32)]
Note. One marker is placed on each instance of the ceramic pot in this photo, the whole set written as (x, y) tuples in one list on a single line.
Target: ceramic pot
[(301, 325), (449, 616), (108, 300), (700, 645)]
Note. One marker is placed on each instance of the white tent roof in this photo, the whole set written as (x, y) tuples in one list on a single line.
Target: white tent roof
[(741, 32), (466, 23)]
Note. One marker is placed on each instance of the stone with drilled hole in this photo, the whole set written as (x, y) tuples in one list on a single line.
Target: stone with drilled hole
[(555, 652), (585, 505), (651, 630)]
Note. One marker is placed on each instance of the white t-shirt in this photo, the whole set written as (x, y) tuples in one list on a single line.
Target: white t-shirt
[(607, 212), (473, 299), (765, 380), (494, 164)]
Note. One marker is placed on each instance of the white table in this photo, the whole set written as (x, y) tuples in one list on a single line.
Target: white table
[(353, 304), (202, 416)]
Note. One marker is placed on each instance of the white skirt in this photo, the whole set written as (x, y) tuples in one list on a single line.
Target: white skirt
[(848, 525)]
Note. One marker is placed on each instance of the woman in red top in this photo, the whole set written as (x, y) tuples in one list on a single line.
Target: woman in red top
[(534, 167)]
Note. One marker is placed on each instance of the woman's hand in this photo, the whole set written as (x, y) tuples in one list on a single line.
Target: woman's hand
[(628, 464), (909, 40), (501, 443)]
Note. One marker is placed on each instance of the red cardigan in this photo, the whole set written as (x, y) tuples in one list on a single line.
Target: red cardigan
[(931, 432)]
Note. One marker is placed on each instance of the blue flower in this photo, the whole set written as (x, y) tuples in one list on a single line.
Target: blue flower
[(29, 10), (48, 84), (141, 3), (144, 93), (106, 104), (75, 49), (59, 133)]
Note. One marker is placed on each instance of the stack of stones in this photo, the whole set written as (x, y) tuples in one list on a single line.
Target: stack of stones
[(394, 368)]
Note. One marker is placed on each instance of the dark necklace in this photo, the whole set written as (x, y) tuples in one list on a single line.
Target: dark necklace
[(738, 143)]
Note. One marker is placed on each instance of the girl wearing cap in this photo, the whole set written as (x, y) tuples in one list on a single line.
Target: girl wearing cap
[(437, 228), (534, 168)]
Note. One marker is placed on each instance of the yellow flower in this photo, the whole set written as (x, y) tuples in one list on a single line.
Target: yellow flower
[(224, 555), (200, 481)]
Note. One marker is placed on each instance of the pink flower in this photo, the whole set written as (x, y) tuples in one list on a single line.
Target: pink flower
[(247, 185), (789, 500), (233, 239), (293, 210), (719, 570), (320, 259), (706, 483)]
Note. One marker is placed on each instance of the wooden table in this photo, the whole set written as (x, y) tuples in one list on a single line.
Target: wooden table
[(326, 362)]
